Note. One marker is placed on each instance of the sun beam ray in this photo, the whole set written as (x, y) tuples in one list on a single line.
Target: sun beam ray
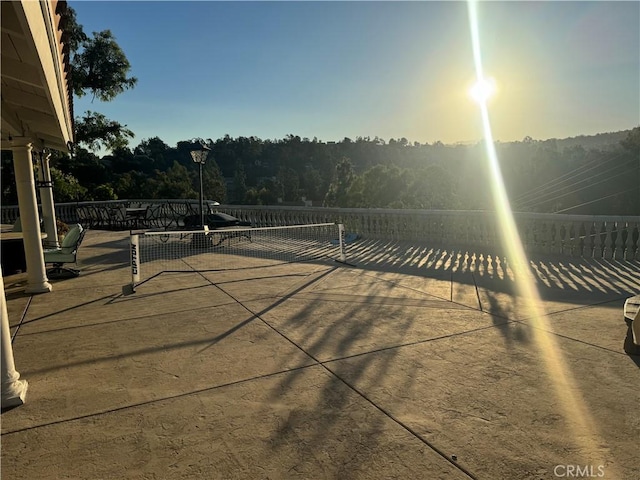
[(568, 394)]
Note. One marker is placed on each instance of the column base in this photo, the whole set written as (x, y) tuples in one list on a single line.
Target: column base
[(44, 287), (15, 394)]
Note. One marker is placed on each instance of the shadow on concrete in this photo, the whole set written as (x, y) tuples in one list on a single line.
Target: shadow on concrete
[(557, 277), (511, 330), (584, 281), (204, 342), (336, 394)]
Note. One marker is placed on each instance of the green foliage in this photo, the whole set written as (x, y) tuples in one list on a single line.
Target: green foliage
[(251, 196), (240, 182), (100, 67), (382, 186), (88, 168), (75, 31), (104, 192), (95, 131), (132, 185), (385, 186), (430, 188), (343, 177), (631, 142), (174, 183), (264, 194), (289, 184), (66, 187), (154, 155), (213, 183), (540, 176), (313, 184)]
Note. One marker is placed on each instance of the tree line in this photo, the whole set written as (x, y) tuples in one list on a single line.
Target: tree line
[(540, 176)]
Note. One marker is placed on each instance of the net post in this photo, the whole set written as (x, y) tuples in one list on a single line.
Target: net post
[(343, 256), (134, 258)]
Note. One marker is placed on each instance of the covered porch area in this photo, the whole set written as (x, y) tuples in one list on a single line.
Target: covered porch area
[(36, 117)]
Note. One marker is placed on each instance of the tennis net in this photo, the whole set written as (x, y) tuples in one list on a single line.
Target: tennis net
[(156, 252)]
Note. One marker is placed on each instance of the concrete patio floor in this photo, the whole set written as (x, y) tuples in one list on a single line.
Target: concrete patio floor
[(417, 363)]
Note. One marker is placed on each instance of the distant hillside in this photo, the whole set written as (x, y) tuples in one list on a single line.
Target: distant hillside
[(600, 141)]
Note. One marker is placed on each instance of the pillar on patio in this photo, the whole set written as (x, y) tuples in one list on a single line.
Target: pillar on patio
[(13, 389), (46, 198), (37, 281)]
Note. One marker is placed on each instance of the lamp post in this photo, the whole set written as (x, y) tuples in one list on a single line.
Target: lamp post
[(199, 152)]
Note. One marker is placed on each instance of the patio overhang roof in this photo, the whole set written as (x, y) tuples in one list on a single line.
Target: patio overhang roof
[(37, 100)]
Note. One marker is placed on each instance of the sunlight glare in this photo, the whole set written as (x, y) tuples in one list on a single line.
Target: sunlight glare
[(567, 392), (483, 90)]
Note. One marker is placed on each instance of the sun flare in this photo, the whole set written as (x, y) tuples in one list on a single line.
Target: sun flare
[(568, 394), (482, 90)]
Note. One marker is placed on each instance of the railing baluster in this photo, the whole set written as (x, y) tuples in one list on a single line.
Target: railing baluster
[(632, 250), (619, 234), (597, 239)]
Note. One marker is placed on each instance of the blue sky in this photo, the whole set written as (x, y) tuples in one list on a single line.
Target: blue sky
[(389, 69)]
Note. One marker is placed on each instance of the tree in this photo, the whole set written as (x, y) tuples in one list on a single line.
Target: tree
[(104, 192), (174, 183), (66, 188), (120, 161), (382, 185), (134, 185), (343, 177), (85, 166), (290, 184), (632, 141), (75, 32), (213, 183), (94, 130), (630, 198), (312, 183), (268, 192), (100, 67), (156, 154), (430, 188), (239, 183)]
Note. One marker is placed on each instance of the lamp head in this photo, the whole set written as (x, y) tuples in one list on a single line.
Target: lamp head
[(199, 152)]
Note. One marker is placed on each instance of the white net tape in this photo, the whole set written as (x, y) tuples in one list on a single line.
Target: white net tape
[(232, 248)]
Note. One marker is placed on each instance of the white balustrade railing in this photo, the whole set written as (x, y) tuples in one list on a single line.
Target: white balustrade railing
[(601, 236)]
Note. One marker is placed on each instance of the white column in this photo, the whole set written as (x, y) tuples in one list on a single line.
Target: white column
[(37, 281), (13, 389), (46, 197)]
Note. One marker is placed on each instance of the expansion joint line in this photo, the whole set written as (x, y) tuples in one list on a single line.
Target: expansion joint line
[(22, 317), (153, 401), (400, 423)]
